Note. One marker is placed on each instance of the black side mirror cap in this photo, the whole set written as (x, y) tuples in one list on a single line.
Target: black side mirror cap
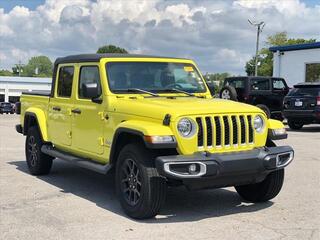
[(91, 90)]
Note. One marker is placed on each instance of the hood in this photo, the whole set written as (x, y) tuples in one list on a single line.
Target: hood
[(158, 107)]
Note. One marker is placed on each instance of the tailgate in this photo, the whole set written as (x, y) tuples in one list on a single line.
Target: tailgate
[(300, 102)]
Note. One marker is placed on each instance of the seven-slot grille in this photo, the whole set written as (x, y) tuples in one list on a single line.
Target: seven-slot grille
[(224, 131)]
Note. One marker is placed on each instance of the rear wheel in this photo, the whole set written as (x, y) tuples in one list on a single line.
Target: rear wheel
[(141, 190), (38, 162), (265, 109), (294, 125)]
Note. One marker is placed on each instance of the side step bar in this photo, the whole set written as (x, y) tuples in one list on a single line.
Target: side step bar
[(81, 162)]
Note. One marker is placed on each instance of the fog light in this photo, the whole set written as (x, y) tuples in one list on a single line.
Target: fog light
[(192, 168)]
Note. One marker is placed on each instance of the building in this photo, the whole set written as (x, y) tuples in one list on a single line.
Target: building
[(297, 63), (12, 87)]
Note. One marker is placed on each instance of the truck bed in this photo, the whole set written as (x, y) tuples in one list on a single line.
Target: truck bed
[(34, 100)]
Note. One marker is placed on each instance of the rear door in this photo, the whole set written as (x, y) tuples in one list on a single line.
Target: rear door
[(260, 91), (60, 105)]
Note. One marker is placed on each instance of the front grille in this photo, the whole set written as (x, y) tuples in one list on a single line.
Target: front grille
[(225, 131)]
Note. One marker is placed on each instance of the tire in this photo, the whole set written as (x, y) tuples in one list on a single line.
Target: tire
[(143, 179), (294, 125), (229, 93), (265, 109), (38, 162), (263, 191)]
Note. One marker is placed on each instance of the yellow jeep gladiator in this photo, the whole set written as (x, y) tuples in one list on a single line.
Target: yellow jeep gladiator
[(154, 121)]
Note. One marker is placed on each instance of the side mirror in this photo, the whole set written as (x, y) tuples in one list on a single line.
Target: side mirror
[(211, 87), (91, 91)]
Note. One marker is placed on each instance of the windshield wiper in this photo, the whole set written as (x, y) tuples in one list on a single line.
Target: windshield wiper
[(142, 91), (180, 91)]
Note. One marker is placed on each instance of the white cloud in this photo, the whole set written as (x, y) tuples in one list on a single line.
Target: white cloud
[(214, 33)]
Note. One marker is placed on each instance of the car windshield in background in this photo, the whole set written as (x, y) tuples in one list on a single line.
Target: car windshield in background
[(304, 91), (155, 77)]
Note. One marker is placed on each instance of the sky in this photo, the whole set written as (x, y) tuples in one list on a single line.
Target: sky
[(214, 33)]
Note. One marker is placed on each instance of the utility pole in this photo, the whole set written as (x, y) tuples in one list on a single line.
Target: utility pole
[(19, 67), (259, 26)]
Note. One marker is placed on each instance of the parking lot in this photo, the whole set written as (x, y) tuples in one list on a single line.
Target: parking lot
[(73, 203)]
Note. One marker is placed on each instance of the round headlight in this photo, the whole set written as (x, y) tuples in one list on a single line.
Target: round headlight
[(186, 127), (258, 123)]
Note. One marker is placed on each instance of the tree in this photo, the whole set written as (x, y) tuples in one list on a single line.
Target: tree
[(265, 57), (40, 66), (4, 72), (111, 49), (217, 79)]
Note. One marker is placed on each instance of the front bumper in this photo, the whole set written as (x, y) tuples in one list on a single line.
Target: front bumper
[(228, 169)]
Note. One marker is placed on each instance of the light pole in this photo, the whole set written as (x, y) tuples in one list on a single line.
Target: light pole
[(260, 26)]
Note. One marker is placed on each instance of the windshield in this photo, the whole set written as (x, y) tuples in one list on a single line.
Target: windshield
[(305, 92), (154, 77)]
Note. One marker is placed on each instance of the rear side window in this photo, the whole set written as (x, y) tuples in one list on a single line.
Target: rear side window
[(278, 84), (236, 83), (65, 81), (88, 74), (259, 84)]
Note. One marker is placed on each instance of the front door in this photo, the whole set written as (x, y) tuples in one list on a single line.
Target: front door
[(279, 91), (88, 116), (59, 112)]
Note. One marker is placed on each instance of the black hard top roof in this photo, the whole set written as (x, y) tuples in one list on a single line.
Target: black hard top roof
[(262, 77), (96, 57), (307, 84)]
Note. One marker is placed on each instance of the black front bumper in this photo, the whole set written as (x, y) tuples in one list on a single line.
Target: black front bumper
[(227, 169)]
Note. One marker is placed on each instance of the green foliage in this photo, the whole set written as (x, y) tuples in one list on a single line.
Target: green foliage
[(39, 66), (4, 72), (266, 57), (216, 79), (111, 49)]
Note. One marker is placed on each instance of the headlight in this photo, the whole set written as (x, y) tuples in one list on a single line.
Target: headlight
[(186, 127), (258, 123)]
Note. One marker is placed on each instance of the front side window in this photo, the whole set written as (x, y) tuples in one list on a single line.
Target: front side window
[(259, 84), (65, 81), (155, 77), (278, 84), (88, 74)]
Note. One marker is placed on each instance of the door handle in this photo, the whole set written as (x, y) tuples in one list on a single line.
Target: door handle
[(76, 111), (56, 108)]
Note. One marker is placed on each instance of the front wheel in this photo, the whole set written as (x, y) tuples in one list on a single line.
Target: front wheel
[(294, 125), (263, 191), (140, 189), (38, 162)]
